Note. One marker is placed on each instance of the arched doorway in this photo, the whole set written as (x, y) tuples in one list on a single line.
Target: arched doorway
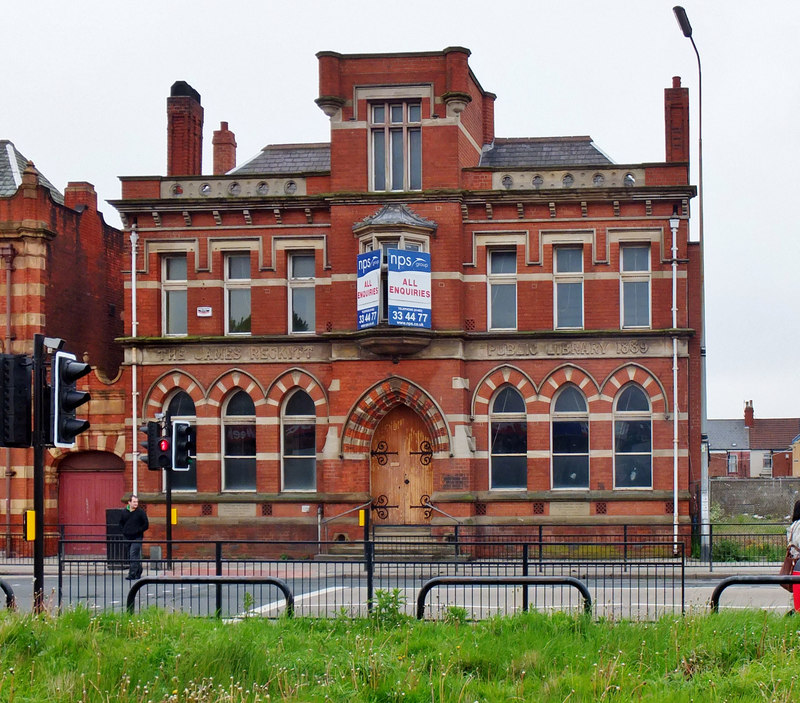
[(401, 477)]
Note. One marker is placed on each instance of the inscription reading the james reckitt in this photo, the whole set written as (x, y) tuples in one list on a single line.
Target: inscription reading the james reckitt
[(293, 352)]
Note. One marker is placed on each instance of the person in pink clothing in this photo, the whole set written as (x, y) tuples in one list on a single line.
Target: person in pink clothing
[(793, 539)]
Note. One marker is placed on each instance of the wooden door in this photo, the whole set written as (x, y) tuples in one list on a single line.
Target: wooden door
[(83, 498), (401, 476)]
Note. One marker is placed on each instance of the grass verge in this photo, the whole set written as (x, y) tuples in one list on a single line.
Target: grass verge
[(745, 656)]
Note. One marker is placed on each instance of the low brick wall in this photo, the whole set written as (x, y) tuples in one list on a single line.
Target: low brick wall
[(772, 497)]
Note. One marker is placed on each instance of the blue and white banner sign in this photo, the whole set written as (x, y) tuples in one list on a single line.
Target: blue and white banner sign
[(368, 288), (409, 288)]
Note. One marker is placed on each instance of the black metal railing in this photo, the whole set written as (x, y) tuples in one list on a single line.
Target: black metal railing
[(638, 580)]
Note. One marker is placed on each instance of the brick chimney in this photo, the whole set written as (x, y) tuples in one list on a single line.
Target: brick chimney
[(748, 413), (676, 121), (224, 143), (80, 195), (184, 131)]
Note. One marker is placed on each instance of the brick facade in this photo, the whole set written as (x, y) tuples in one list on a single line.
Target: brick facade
[(62, 277), (478, 196)]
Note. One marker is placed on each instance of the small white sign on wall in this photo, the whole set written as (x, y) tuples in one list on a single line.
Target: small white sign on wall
[(204, 311)]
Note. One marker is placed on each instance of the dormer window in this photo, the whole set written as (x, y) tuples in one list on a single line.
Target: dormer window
[(396, 145)]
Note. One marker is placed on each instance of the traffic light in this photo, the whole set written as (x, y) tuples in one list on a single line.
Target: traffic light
[(163, 454), (66, 398), (153, 431), (15, 400), (182, 445)]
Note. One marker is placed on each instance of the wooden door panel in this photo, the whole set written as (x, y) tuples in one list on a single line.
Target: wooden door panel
[(400, 467)]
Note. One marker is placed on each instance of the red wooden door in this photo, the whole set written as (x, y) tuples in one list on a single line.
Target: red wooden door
[(83, 498)]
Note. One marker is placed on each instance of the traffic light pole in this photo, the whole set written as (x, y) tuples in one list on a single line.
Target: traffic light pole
[(169, 517), (39, 442)]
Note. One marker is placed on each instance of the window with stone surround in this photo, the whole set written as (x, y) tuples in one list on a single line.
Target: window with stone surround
[(508, 441), (396, 145), (302, 293), (174, 286), (502, 289), (298, 443), (633, 441), (239, 443), (237, 293), (570, 437), (568, 275), (635, 285)]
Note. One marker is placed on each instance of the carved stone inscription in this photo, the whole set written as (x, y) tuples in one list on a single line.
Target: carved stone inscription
[(577, 348), (204, 353)]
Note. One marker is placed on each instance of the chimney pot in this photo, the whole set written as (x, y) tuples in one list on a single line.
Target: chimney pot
[(224, 143), (184, 131), (748, 413)]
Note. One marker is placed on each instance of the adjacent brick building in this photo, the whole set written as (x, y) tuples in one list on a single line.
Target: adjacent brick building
[(530, 375), (62, 277)]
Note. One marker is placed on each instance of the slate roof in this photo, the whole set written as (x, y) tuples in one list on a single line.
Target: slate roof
[(554, 152), (287, 159), (774, 433), (766, 433), (12, 164), (727, 434)]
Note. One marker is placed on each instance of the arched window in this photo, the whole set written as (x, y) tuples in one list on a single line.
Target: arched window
[(508, 441), (298, 443), (181, 407), (570, 432), (239, 443), (633, 442)]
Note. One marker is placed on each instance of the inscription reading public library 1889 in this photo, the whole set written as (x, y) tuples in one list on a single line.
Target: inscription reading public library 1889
[(618, 348), (293, 352)]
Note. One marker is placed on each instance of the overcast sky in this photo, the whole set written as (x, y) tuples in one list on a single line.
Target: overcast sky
[(84, 92)]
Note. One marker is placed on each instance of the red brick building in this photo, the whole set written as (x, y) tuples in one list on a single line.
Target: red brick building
[(528, 370), (62, 277)]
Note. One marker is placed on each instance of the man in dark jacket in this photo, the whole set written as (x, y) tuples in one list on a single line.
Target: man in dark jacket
[(134, 523)]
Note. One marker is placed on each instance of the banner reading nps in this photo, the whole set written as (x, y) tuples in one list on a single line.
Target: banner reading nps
[(368, 291), (409, 288)]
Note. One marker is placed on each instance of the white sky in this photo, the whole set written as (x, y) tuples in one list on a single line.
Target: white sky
[(84, 91)]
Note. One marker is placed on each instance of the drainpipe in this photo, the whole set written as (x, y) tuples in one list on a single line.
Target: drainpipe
[(7, 253), (134, 237), (673, 225)]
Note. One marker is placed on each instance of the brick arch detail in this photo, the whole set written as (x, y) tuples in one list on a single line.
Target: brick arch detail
[(568, 374), (296, 378), (641, 376), (168, 383), (373, 405), (236, 379), (107, 443), (505, 375)]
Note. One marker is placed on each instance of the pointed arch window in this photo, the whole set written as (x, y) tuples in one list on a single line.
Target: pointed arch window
[(181, 407), (508, 441), (570, 435), (239, 443), (298, 443), (633, 439)]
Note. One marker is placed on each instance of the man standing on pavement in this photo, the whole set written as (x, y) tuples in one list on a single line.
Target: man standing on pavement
[(133, 522)]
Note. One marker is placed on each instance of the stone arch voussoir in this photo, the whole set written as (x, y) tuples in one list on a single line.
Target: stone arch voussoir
[(379, 400)]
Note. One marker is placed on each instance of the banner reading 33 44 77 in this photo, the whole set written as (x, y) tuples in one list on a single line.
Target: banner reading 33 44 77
[(409, 293)]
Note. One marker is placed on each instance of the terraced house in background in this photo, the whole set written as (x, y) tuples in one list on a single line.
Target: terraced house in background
[(417, 316)]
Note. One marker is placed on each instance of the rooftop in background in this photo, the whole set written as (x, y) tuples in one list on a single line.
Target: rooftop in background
[(12, 164)]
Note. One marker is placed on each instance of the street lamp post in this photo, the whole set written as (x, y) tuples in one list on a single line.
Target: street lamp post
[(686, 28)]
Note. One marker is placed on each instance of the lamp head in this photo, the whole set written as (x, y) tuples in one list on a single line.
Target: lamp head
[(683, 21)]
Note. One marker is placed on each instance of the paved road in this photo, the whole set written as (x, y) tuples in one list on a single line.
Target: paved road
[(317, 594)]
